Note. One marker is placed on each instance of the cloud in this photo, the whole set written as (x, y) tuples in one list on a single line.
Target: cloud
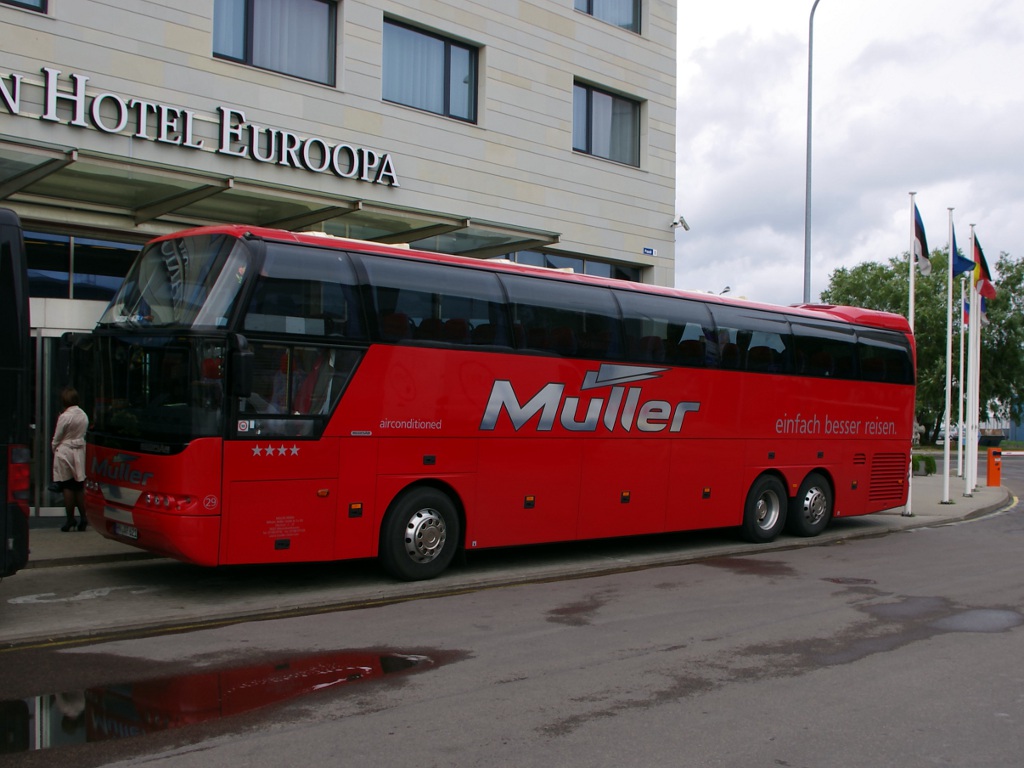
[(910, 96)]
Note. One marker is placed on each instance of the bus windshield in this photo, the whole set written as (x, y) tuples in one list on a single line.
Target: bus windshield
[(177, 283), (165, 389)]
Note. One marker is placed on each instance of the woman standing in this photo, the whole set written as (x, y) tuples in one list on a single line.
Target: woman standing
[(69, 457)]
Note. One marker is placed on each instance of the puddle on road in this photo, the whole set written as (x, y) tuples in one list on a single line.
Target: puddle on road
[(751, 566), (980, 620), (110, 712)]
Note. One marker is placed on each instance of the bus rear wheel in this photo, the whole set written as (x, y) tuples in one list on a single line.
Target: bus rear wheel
[(419, 535), (764, 514), (811, 509)]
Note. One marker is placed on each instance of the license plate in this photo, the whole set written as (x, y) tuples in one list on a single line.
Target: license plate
[(128, 531)]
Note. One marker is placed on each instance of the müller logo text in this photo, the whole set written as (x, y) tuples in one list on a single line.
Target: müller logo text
[(621, 407), (119, 468)]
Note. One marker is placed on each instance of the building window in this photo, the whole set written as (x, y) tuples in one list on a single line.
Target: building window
[(32, 5), (49, 265), (63, 267), (429, 72), (576, 264), (615, 271), (293, 37), (605, 125), (99, 267), (621, 13)]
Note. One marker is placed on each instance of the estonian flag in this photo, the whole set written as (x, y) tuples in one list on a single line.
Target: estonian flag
[(921, 255)]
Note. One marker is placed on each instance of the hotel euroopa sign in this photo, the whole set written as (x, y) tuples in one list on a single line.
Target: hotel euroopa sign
[(235, 135)]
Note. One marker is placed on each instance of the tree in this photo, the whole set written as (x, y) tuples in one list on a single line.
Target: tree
[(886, 287)]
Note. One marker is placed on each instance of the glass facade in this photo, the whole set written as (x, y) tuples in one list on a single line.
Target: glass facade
[(67, 267)]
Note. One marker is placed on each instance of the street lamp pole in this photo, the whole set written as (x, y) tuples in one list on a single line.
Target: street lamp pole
[(807, 198)]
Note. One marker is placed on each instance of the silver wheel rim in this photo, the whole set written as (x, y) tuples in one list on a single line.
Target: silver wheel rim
[(425, 534), (768, 510), (815, 506)]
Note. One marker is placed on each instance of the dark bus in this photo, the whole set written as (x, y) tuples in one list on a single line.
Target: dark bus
[(15, 371)]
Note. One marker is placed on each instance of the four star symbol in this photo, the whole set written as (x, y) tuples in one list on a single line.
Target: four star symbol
[(270, 450)]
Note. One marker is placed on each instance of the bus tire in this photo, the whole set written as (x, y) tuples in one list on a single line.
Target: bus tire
[(811, 509), (419, 535), (764, 513)]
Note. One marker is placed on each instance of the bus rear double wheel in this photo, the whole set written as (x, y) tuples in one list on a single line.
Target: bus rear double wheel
[(419, 535), (811, 509)]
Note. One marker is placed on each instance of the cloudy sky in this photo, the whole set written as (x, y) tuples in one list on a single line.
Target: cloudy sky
[(909, 95)]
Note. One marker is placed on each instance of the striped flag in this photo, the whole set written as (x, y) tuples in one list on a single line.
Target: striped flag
[(921, 255), (982, 275)]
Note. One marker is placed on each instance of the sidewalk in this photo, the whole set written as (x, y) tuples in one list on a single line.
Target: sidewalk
[(52, 547)]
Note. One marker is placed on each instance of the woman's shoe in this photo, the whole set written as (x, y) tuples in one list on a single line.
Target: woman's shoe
[(83, 525), (68, 526)]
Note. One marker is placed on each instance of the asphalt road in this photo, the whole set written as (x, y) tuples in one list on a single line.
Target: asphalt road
[(900, 649)]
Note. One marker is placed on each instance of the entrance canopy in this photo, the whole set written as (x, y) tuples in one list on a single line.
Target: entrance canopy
[(91, 190)]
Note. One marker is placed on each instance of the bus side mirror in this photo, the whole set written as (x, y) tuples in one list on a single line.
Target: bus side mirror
[(241, 368)]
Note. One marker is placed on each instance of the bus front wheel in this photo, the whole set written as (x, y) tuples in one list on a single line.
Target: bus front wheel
[(419, 535), (811, 509), (764, 514)]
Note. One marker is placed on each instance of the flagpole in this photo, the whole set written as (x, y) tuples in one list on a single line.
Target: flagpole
[(974, 320), (973, 400), (913, 269), (976, 399), (807, 190), (949, 364), (908, 510), (960, 391), (976, 412)]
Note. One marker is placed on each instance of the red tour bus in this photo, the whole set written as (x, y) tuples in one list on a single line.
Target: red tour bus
[(262, 396)]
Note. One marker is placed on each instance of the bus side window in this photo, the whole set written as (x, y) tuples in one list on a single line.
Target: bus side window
[(752, 339), (307, 292), (570, 320), (338, 304), (326, 377), (691, 350), (661, 329), (884, 356), (435, 303), (395, 326), (825, 349), (729, 355), (277, 376)]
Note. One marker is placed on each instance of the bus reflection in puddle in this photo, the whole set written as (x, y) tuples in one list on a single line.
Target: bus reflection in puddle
[(120, 711)]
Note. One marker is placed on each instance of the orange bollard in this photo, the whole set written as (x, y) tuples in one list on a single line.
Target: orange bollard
[(995, 467)]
